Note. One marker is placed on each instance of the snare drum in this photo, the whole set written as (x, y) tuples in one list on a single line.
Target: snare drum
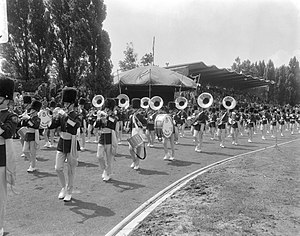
[(163, 125), (22, 131), (135, 140)]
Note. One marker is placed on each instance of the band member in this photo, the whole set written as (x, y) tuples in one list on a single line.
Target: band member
[(68, 146), (221, 125), (26, 104), (175, 114), (83, 126), (281, 122), (121, 115), (199, 127), (136, 121), (32, 137), (91, 119), (169, 156), (50, 142), (212, 119), (150, 132), (250, 124), (293, 121), (234, 127), (274, 120), (107, 145), (263, 124), (8, 125)]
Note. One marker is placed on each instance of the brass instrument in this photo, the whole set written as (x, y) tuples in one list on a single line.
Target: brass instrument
[(156, 103), (98, 101), (123, 100), (145, 102), (205, 100), (181, 103), (229, 102)]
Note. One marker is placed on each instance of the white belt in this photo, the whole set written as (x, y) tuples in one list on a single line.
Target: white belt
[(30, 130), (66, 136)]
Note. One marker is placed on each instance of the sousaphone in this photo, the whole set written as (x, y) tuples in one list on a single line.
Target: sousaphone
[(205, 100), (181, 103), (98, 101), (229, 102), (156, 103), (145, 102), (123, 100)]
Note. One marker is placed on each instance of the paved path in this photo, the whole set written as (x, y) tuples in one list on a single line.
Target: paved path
[(97, 206)]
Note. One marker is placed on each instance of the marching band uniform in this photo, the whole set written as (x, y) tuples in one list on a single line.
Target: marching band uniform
[(199, 127), (26, 102), (51, 131), (234, 127), (107, 145), (176, 120), (170, 156), (274, 120), (287, 119), (136, 121), (91, 119), (281, 122), (32, 138), (293, 121), (221, 125), (150, 127), (263, 124), (212, 119), (8, 125), (250, 124), (83, 126), (68, 146)]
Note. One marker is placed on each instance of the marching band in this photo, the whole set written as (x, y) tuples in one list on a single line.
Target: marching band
[(148, 121)]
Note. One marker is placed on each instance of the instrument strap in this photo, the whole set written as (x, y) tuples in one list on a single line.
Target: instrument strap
[(145, 153)]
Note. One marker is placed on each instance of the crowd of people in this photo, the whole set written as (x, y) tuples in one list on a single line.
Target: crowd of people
[(75, 120)]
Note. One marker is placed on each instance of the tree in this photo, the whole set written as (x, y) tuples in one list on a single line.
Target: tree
[(237, 65), (147, 59), (130, 60), (293, 81)]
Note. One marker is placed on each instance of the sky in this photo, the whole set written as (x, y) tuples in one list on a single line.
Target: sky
[(215, 32)]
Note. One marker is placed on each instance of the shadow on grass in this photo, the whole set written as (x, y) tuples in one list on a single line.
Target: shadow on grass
[(41, 159), (86, 164), (217, 153), (124, 186), (40, 174), (123, 155), (182, 163), (151, 172), (80, 207)]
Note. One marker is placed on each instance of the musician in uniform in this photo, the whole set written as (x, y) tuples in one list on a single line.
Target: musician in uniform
[(221, 125), (212, 119), (274, 121), (199, 127), (68, 145), (234, 126), (263, 123), (175, 114), (281, 122), (150, 131), (26, 104), (136, 121), (51, 131), (293, 121), (169, 156), (91, 119), (8, 125), (32, 137), (83, 126), (107, 145)]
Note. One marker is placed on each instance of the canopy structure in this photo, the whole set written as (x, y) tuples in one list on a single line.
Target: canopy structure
[(219, 77), (149, 81)]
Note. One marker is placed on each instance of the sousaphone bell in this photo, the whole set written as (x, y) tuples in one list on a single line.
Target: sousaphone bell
[(205, 100), (181, 103), (229, 102), (98, 101), (123, 100), (156, 103), (145, 102)]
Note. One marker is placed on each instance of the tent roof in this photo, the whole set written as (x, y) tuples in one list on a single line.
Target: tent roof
[(154, 76), (219, 77)]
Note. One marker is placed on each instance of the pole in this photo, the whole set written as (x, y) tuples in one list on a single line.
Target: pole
[(150, 84), (119, 82), (153, 44)]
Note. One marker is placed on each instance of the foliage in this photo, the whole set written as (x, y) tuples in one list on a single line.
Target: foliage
[(147, 59), (130, 60), (286, 86), (53, 41)]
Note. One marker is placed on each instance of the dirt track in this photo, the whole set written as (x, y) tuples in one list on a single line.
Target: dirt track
[(97, 206)]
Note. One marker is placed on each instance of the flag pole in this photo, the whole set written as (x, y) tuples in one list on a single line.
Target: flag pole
[(153, 44)]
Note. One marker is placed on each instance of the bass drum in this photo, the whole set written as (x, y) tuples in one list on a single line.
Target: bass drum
[(163, 126)]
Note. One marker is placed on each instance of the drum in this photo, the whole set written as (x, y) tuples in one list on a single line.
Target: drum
[(22, 131), (135, 140), (46, 118), (163, 125)]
